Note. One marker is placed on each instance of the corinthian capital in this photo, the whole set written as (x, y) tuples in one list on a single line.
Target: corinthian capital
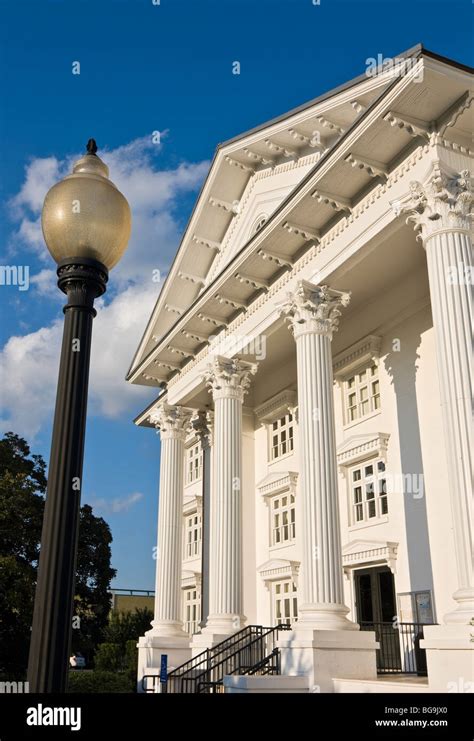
[(311, 308), (444, 202), (229, 377), (172, 421)]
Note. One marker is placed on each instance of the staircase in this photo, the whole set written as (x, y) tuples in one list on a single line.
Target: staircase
[(250, 651)]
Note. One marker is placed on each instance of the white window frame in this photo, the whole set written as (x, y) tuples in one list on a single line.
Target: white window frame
[(282, 611), (192, 535), (361, 504), (191, 609), (194, 460), (286, 430), (359, 397), (283, 518)]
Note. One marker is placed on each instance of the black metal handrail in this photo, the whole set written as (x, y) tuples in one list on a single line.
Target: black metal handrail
[(400, 651), (250, 650)]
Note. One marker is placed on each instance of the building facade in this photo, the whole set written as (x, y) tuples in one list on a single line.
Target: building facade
[(311, 344)]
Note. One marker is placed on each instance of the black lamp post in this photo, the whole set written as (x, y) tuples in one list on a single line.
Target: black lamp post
[(86, 226)]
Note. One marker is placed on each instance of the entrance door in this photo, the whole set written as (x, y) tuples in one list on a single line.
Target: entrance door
[(376, 610)]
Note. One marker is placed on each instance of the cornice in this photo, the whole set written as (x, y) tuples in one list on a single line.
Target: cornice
[(360, 352), (277, 482), (358, 447), (276, 406), (358, 552)]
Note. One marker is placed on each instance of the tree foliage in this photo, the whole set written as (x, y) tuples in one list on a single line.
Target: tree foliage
[(22, 490)]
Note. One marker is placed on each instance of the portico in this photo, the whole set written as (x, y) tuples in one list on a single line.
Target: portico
[(314, 369)]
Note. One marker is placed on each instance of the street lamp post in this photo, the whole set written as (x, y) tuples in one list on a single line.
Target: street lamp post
[(86, 226)]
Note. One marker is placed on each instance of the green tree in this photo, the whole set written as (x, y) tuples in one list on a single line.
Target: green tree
[(22, 490)]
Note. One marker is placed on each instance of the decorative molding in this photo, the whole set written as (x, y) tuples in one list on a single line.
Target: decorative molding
[(301, 231), (338, 229), (280, 260), (338, 203), (366, 349), (359, 552), (250, 280), (212, 319), (167, 364), (232, 208), (279, 568), (172, 421), (180, 351), (276, 406), (234, 302), (449, 117), (174, 309), (328, 124), (313, 141), (358, 106), (443, 203), (412, 126), (371, 167), (238, 164), (259, 158), (191, 278), (190, 335), (311, 308), (209, 243), (229, 377), (190, 579), (359, 447), (280, 149), (277, 482)]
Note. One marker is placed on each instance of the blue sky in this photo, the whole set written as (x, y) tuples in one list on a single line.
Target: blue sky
[(146, 68)]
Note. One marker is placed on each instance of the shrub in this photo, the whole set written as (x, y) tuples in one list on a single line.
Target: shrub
[(94, 681), (109, 657)]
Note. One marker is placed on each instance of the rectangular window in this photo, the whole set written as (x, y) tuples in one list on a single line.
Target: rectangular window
[(362, 394), (192, 535), (368, 492), (193, 463), (285, 602), (192, 610), (283, 518), (281, 437)]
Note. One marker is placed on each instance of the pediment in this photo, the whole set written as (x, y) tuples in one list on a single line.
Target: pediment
[(277, 481), (358, 447), (362, 551), (278, 568)]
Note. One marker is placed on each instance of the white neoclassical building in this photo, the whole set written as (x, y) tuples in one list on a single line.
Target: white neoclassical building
[(312, 350)]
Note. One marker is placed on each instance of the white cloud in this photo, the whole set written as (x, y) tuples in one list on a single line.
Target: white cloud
[(29, 363), (114, 506)]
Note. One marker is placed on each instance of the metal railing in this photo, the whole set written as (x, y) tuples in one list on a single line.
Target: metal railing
[(251, 650), (399, 651)]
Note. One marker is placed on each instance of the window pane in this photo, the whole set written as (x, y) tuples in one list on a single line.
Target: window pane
[(369, 470), (384, 505), (381, 466), (356, 475), (371, 508), (362, 376), (364, 393)]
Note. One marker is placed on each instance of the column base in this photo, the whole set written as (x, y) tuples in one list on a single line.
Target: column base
[(464, 612), (325, 655), (323, 616), (167, 629), (151, 647), (449, 657)]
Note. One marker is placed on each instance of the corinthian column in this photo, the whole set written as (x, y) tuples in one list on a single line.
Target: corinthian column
[(228, 380), (441, 212), (313, 313), (172, 422)]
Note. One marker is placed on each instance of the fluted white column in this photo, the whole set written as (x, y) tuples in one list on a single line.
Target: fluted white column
[(172, 422), (228, 380), (313, 313), (441, 212), (203, 425)]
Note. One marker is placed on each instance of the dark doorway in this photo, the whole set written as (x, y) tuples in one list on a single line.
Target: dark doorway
[(376, 610)]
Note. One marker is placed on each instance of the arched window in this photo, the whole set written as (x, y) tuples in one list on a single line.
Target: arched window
[(258, 224)]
